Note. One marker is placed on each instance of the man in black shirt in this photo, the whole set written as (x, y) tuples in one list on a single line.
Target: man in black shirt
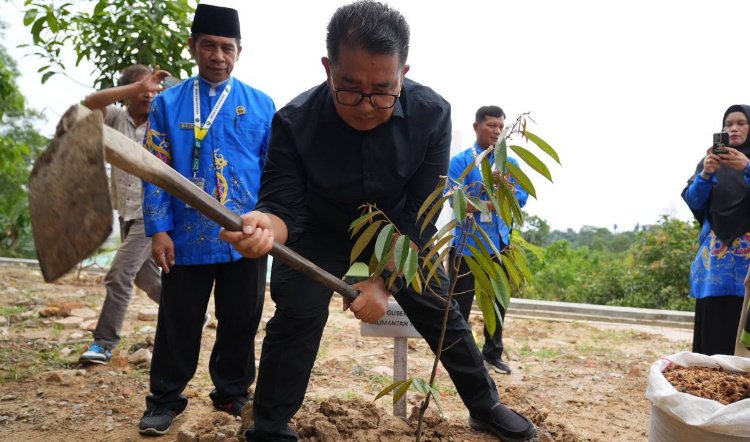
[(366, 135)]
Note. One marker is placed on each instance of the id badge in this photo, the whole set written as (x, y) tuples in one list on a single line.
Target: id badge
[(200, 183)]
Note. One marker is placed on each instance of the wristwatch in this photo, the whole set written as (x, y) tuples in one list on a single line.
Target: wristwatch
[(397, 285)]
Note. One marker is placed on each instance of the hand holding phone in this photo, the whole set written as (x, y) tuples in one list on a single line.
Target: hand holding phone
[(721, 140)]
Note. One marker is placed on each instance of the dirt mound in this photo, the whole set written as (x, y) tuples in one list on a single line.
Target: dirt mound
[(358, 420)]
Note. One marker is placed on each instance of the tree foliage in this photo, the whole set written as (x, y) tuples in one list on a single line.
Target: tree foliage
[(111, 34), (19, 144), (648, 268)]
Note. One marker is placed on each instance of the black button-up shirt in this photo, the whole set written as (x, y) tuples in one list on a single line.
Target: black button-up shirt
[(319, 170)]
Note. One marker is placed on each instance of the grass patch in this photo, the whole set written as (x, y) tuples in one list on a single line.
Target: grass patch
[(351, 395), (21, 360), (381, 379), (544, 352), (8, 310), (593, 349)]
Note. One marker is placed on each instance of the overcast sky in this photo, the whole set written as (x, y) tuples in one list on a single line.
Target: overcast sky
[(628, 92)]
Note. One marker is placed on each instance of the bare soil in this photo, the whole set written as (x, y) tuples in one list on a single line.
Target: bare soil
[(576, 381), (710, 383)]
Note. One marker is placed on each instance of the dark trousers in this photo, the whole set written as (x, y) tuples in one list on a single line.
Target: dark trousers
[(463, 293), (715, 328), (293, 337), (238, 297)]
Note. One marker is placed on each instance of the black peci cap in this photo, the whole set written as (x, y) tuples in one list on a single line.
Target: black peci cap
[(216, 20)]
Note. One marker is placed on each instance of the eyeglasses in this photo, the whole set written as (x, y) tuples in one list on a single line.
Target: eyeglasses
[(353, 98)]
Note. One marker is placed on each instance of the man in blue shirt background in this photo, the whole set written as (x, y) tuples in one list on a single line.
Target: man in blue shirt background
[(488, 125), (214, 130)]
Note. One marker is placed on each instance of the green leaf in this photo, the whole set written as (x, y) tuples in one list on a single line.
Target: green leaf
[(518, 240), (54, 26), (401, 390), (411, 265), (479, 276), (459, 204), (479, 205), (436, 397), (36, 30), (488, 178), (521, 178), (439, 190), (390, 388), (360, 222), (421, 386), (488, 311), (29, 16), (433, 211), (512, 205), (542, 145), (484, 260), (443, 242), (501, 156), (511, 270), (416, 284), (437, 265), (47, 75), (376, 268), (400, 252), (487, 240), (437, 237), (383, 243), (466, 170), (364, 240), (520, 259), (534, 162), (501, 288), (100, 5)]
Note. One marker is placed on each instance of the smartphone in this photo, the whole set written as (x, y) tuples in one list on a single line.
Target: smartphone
[(721, 140)]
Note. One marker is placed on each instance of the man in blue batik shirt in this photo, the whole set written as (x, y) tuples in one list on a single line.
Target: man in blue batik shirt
[(488, 125), (214, 130)]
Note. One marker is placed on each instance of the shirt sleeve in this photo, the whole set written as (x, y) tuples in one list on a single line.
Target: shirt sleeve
[(157, 204), (282, 184), (424, 182), (697, 193)]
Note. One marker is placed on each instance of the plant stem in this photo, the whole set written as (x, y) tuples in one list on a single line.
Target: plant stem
[(441, 341)]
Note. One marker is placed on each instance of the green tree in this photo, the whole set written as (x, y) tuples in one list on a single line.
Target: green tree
[(19, 144), (535, 230), (112, 35), (661, 259), (652, 272)]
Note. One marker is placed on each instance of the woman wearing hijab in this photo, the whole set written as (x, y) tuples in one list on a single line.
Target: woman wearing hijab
[(719, 197)]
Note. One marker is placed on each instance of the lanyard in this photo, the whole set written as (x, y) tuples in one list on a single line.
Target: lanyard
[(199, 130)]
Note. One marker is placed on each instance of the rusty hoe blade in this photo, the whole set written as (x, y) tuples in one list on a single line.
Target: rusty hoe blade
[(69, 203)]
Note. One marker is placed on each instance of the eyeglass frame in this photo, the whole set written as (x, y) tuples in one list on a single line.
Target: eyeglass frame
[(363, 95)]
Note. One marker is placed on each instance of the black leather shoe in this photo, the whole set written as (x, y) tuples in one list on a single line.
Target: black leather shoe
[(233, 407), (497, 365), (156, 422), (506, 424)]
